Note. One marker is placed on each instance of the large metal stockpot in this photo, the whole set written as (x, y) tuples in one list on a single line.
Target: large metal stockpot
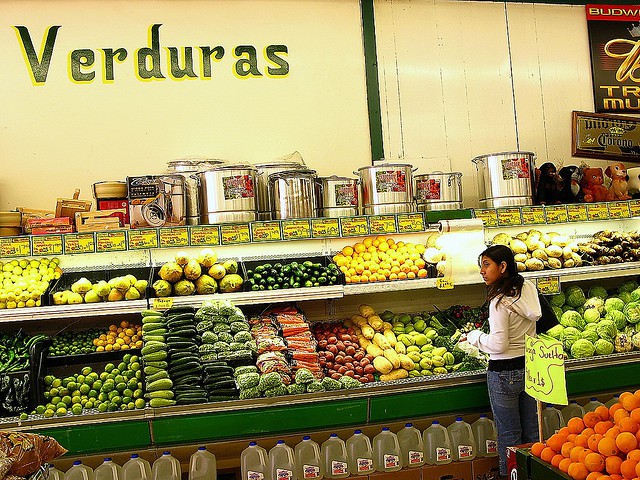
[(293, 194), (386, 188), (227, 194), (505, 179), (264, 170), (439, 191), (338, 197)]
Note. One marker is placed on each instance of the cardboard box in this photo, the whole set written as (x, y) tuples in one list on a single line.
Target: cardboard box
[(67, 207), (30, 213), (404, 474), (100, 220), (52, 230), (518, 462), (156, 201), (485, 468), (451, 471), (115, 204)]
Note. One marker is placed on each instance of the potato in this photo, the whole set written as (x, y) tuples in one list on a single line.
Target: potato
[(521, 267), (540, 254), (520, 257), (534, 264), (396, 374), (366, 310), (554, 263), (518, 246), (554, 250), (383, 365)]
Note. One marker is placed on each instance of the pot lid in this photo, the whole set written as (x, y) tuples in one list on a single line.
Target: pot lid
[(334, 178), (292, 173), (386, 165), (507, 154)]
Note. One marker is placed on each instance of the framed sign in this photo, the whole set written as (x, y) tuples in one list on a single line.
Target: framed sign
[(602, 135)]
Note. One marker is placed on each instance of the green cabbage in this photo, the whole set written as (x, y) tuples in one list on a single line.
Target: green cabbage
[(598, 292), (594, 302), (590, 334), (556, 332), (622, 343), (628, 286), (557, 300), (557, 311), (613, 303), (591, 315), (635, 295), (632, 311), (571, 318), (582, 348), (569, 336), (607, 330), (591, 326), (635, 340), (625, 297), (618, 318), (566, 307), (575, 296), (603, 347)]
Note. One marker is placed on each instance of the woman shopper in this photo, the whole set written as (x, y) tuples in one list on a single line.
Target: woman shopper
[(514, 308)]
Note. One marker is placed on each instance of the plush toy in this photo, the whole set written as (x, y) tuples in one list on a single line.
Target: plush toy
[(570, 190), (618, 175), (547, 188), (633, 184), (592, 186)]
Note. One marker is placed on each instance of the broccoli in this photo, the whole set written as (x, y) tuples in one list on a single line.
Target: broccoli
[(221, 346), (209, 337), (296, 388), (315, 386), (470, 364), (443, 341), (242, 336), (252, 392), (245, 369), (330, 384), (225, 337), (204, 325), (242, 326), (276, 391), (349, 382), (269, 380), (304, 376), (248, 380)]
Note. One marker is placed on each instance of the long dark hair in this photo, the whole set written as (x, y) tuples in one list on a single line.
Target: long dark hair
[(509, 286)]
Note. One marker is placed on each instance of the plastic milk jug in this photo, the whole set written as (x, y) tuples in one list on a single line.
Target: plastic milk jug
[(572, 410), (463, 444), (253, 463), (386, 451), (281, 463), (136, 468), (79, 471), (166, 468), (109, 470), (334, 457), (486, 436), (307, 459), (202, 465), (437, 444), (411, 447), (359, 454)]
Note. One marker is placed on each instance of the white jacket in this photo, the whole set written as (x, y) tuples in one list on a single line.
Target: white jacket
[(509, 321)]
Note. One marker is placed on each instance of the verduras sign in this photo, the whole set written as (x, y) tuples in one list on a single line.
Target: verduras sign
[(148, 63), (614, 38)]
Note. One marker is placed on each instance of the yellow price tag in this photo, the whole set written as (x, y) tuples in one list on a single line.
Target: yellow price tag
[(381, 224), (509, 217), (556, 214), (174, 237), (325, 227), (634, 206), (532, 215), (548, 285), (265, 232), (577, 213), (410, 222), (15, 247), (354, 226), (597, 211), (235, 233), (489, 216), (164, 303), (75, 243), (296, 229), (619, 210), (204, 236), (444, 283), (143, 239), (111, 241), (47, 245)]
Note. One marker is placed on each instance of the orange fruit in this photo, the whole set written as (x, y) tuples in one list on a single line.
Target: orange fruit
[(556, 441), (603, 412), (626, 441), (594, 462), (613, 432), (564, 431), (575, 453), (578, 471), (594, 475), (584, 454), (566, 449), (619, 415), (635, 415), (582, 440), (630, 402), (555, 461), (591, 418), (634, 455), (564, 465), (575, 425), (603, 426), (547, 454), (628, 425), (638, 469), (628, 469), (614, 408), (612, 464), (572, 437), (594, 440), (588, 431), (536, 449), (607, 447)]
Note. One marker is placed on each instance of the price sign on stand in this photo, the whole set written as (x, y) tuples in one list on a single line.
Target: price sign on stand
[(111, 241), (548, 285), (15, 247), (174, 237), (410, 222), (532, 215), (381, 224), (162, 303), (556, 214), (79, 243), (296, 229), (325, 227), (141, 239), (597, 211), (577, 212), (235, 233), (619, 210), (354, 226), (204, 236), (544, 370), (444, 283), (508, 217), (47, 245), (489, 216), (265, 232), (634, 207)]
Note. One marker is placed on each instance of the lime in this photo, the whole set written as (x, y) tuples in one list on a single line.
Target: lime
[(129, 374), (108, 367), (76, 409), (24, 416), (66, 400), (132, 384), (140, 403), (80, 379), (135, 366), (97, 385), (46, 395), (127, 392), (138, 393), (119, 379), (56, 382), (75, 393), (114, 372), (117, 400), (51, 406), (48, 380), (126, 358), (93, 393), (86, 371), (88, 405), (61, 412), (83, 401), (113, 407), (103, 407), (54, 392), (139, 374), (75, 399), (40, 409), (66, 380), (72, 386), (63, 392), (104, 376), (48, 413), (61, 405), (121, 386), (84, 389), (55, 400), (134, 359), (126, 399), (113, 393), (122, 366), (131, 406), (108, 386), (103, 397)]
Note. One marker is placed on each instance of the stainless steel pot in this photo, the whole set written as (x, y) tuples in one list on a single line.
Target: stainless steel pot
[(264, 170), (439, 191), (387, 208), (386, 183), (505, 179), (185, 168), (338, 197), (293, 194), (227, 194)]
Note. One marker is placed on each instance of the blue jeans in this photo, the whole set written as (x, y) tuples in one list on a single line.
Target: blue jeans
[(514, 412)]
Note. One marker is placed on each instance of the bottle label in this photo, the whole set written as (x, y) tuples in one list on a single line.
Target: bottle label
[(391, 461), (415, 457), (255, 475), (283, 474), (492, 446), (310, 471), (338, 467), (364, 465), (465, 451), (443, 454)]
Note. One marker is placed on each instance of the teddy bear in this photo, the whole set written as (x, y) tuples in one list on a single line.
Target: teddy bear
[(547, 187), (633, 184), (592, 185), (570, 192), (617, 172)]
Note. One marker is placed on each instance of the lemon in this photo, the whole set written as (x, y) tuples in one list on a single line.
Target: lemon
[(48, 413)]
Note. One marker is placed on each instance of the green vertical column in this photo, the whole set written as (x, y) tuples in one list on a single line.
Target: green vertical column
[(371, 73)]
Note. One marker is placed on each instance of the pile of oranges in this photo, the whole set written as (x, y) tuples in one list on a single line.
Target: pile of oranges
[(123, 337), (603, 444), (378, 259)]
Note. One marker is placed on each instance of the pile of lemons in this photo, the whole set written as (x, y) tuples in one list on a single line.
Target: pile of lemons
[(380, 259), (25, 281)]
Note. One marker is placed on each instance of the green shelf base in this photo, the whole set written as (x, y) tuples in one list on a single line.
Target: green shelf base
[(436, 216), (612, 377)]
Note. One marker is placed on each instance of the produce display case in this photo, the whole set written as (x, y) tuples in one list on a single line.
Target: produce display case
[(287, 269)]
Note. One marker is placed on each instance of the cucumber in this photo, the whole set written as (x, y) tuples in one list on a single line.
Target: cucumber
[(155, 356), (150, 313), (159, 375), (168, 394), (179, 345), (171, 338), (176, 369), (154, 338), (216, 384), (162, 384), (189, 358), (153, 347), (224, 391), (162, 364), (161, 402), (150, 370), (184, 332), (147, 327), (180, 310), (154, 332), (179, 355), (172, 323)]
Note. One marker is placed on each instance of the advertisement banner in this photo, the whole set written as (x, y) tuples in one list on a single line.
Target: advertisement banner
[(614, 39)]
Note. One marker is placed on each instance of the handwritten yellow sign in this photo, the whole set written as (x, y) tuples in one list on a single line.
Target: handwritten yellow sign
[(265, 232), (143, 239), (634, 206), (296, 229), (548, 285), (597, 211), (619, 210), (544, 370), (509, 217), (204, 236), (444, 283), (235, 233), (164, 303), (532, 215), (111, 241), (15, 247), (410, 222), (174, 237), (380, 224), (79, 243), (577, 213), (47, 245), (556, 214), (325, 227), (489, 216), (354, 226)]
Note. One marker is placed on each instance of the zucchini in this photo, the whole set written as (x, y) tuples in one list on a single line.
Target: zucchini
[(150, 313), (153, 338), (186, 382), (193, 369), (180, 310), (179, 345), (178, 355), (192, 401), (152, 319), (147, 327), (161, 402), (216, 384), (159, 364), (155, 356), (168, 394), (184, 332), (159, 375), (171, 338), (155, 332), (152, 347), (185, 359), (179, 324), (162, 384), (224, 391), (150, 370), (235, 355)]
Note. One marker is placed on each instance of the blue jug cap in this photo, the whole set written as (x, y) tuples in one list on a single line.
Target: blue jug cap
[(458, 419), (435, 422), (333, 435), (409, 425), (107, 459), (573, 401), (593, 399), (166, 453), (483, 415), (280, 442), (252, 444), (306, 437), (202, 448), (385, 429), (77, 462), (134, 455), (357, 432)]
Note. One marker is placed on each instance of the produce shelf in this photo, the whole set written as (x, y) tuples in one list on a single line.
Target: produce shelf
[(102, 309), (590, 272)]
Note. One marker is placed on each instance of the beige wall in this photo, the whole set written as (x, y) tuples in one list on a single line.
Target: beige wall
[(61, 135)]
